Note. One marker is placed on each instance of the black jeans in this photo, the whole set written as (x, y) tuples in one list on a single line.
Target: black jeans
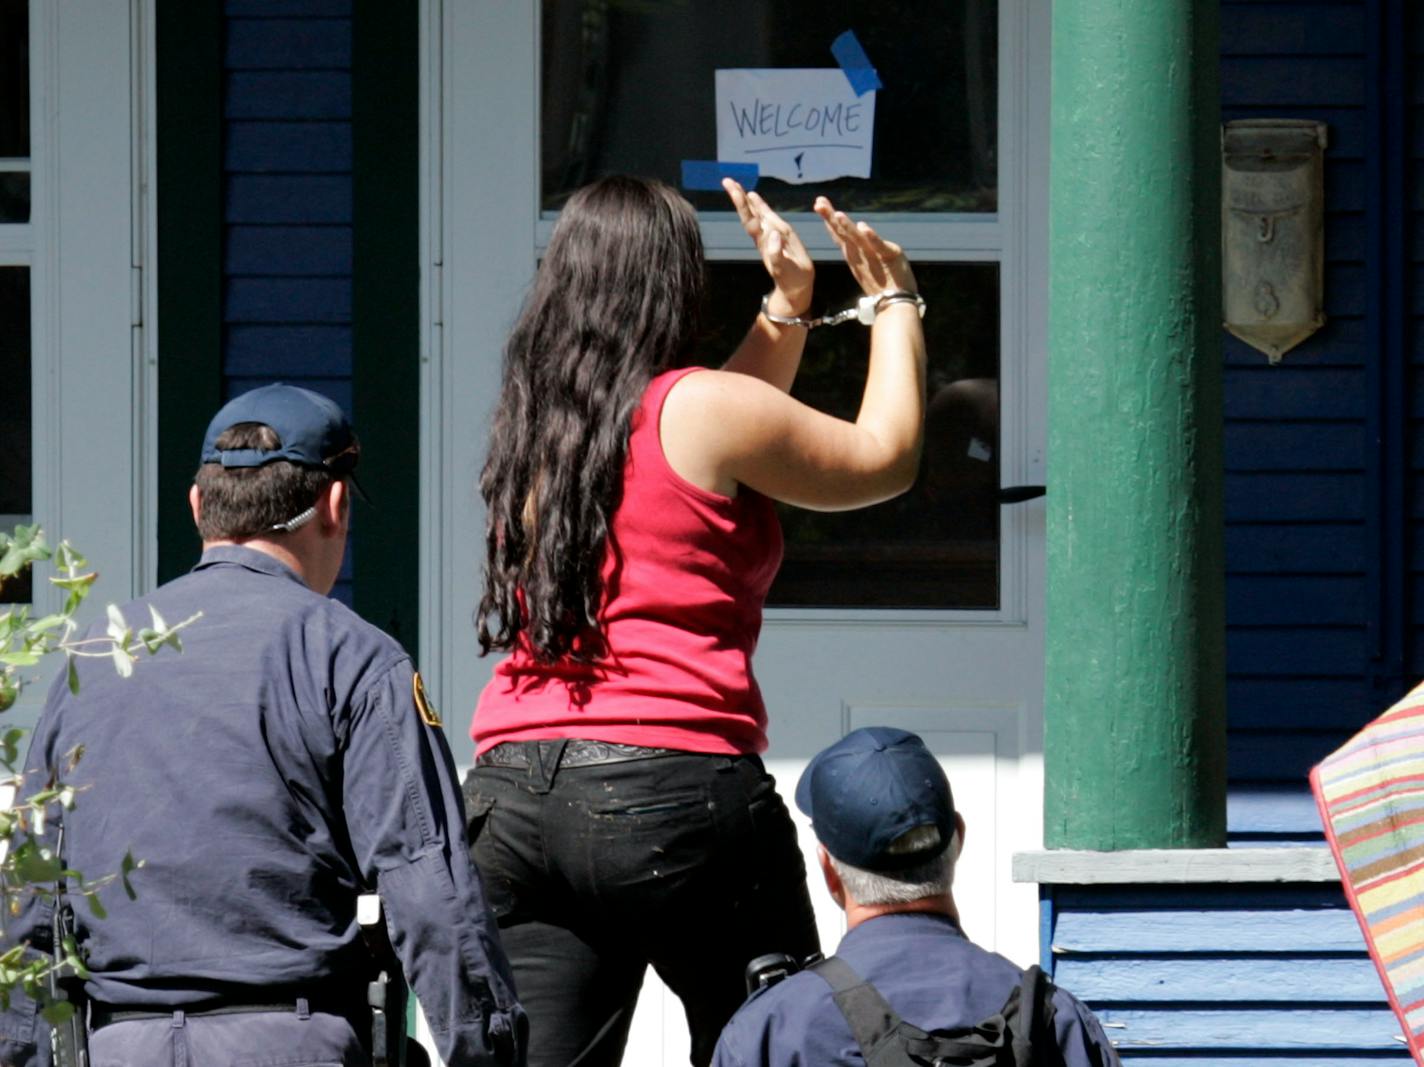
[(686, 862)]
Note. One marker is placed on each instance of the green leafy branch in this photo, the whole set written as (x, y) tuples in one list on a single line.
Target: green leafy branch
[(24, 640), (30, 865)]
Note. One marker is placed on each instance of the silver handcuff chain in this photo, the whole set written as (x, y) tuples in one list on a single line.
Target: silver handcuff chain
[(865, 310)]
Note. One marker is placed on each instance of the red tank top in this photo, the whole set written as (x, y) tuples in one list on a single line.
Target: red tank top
[(685, 579)]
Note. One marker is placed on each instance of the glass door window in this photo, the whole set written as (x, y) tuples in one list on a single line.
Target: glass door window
[(937, 545), (629, 87), (16, 255), (16, 458)]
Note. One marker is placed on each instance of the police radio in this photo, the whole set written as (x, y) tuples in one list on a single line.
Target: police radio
[(765, 971)]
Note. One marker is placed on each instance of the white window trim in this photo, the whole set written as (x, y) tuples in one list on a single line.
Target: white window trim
[(1015, 238)]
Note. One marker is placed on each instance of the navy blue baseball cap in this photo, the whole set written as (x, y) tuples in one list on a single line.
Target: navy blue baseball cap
[(870, 788), (312, 428)]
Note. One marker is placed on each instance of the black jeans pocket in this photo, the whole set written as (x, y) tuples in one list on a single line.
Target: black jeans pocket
[(651, 807), (638, 840), (664, 829)]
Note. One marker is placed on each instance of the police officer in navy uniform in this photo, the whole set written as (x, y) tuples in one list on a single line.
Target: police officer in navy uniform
[(284, 763), (889, 836)]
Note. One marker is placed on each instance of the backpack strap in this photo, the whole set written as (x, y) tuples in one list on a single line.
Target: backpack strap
[(870, 1016), (1023, 1027)]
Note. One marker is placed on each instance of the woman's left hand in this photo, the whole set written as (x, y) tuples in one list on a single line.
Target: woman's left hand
[(782, 253)]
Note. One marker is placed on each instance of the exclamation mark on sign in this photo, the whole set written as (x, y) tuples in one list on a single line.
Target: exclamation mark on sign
[(797, 160)]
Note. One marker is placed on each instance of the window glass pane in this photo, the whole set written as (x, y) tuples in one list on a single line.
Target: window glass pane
[(629, 87), (14, 79), (936, 546), (16, 458), (14, 110), (14, 196)]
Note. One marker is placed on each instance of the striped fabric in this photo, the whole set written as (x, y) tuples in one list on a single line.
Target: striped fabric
[(1371, 798)]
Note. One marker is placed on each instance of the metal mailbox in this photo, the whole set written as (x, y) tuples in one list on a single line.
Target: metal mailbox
[(1273, 231)]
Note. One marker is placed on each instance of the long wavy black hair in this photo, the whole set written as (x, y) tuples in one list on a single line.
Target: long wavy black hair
[(617, 300)]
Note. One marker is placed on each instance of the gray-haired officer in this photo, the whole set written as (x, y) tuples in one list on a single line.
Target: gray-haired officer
[(284, 763), (882, 810)]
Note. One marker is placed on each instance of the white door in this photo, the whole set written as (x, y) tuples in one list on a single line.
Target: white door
[(926, 614)]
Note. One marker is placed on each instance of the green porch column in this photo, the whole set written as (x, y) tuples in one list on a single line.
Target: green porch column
[(1135, 704)]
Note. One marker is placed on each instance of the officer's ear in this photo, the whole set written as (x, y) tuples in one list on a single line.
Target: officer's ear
[(834, 885), (195, 503), (332, 506)]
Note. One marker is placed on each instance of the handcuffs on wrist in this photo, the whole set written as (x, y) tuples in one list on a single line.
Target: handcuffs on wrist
[(865, 310)]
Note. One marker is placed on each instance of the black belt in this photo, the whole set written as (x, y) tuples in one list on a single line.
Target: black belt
[(578, 752), (101, 1015)]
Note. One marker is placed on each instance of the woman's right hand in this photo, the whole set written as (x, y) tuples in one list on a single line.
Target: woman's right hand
[(781, 250), (877, 264)]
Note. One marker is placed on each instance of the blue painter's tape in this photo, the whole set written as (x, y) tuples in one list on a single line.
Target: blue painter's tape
[(708, 174), (856, 64)]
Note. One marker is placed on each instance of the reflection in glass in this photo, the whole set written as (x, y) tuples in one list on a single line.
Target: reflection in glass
[(629, 87), (16, 457), (936, 546)]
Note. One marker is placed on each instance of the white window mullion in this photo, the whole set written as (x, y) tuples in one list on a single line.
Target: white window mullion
[(143, 261), (942, 238)]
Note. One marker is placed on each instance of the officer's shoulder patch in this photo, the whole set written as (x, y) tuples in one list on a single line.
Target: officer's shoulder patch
[(428, 714)]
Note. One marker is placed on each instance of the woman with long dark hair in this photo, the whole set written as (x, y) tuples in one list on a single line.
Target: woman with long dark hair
[(619, 811)]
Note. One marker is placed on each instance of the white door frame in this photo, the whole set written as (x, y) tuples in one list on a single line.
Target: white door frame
[(457, 395)]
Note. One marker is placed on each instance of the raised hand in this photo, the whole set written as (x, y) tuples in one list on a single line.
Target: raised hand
[(782, 252), (877, 264)]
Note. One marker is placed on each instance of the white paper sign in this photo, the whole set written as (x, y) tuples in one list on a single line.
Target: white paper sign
[(796, 125)]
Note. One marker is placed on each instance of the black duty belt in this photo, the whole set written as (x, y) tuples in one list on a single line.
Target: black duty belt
[(101, 1015), (578, 752)]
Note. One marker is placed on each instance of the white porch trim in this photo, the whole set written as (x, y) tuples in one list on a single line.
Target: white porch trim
[(1167, 866)]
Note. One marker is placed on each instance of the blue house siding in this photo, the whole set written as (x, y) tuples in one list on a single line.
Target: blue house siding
[(1317, 555), (1226, 975), (1411, 253), (287, 199)]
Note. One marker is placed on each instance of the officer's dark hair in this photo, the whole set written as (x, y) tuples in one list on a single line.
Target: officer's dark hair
[(242, 502)]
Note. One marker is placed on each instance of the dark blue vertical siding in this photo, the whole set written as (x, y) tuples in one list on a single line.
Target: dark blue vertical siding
[(1410, 243), (1317, 571), (287, 199)]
